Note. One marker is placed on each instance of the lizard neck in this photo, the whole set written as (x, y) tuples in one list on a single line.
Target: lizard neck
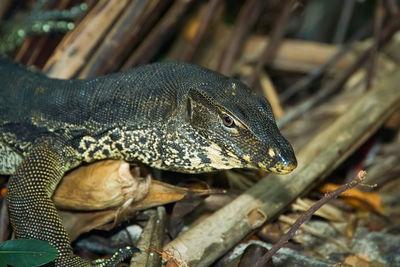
[(139, 144)]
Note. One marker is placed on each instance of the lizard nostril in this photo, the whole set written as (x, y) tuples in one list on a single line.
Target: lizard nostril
[(282, 162)]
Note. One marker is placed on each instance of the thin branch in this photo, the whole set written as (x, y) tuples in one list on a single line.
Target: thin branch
[(306, 81), (387, 33), (127, 32), (307, 215), (248, 16), (343, 25), (324, 92), (379, 14), (159, 35), (275, 40), (391, 7), (190, 50), (150, 240), (5, 5)]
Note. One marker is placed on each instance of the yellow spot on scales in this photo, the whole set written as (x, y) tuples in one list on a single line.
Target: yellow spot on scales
[(218, 160), (246, 158), (271, 152), (262, 166)]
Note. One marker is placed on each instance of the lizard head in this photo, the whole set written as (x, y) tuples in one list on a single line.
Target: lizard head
[(218, 123)]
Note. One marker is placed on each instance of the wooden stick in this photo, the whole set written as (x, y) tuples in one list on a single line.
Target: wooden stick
[(248, 16), (317, 73), (127, 32), (204, 26), (4, 7), (275, 40), (159, 35), (74, 50), (307, 215), (205, 242), (390, 29), (150, 241), (378, 21), (295, 55)]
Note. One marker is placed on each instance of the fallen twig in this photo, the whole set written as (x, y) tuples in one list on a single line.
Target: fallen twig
[(159, 35), (387, 33), (378, 20), (307, 215), (130, 28), (75, 48), (151, 239), (275, 40), (248, 15), (306, 81), (343, 24), (190, 50)]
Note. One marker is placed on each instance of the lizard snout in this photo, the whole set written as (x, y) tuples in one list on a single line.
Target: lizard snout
[(283, 163), (279, 162)]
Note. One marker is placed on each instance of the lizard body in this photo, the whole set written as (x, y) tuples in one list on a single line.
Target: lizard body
[(171, 116)]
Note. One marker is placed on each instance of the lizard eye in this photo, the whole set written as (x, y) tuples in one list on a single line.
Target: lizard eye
[(228, 121)]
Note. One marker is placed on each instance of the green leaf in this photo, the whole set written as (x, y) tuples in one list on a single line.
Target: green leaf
[(3, 263), (26, 252)]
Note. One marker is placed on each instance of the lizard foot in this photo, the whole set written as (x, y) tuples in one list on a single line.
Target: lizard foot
[(119, 256)]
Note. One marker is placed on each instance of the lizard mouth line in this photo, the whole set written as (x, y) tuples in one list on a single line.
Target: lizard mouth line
[(278, 168), (284, 170)]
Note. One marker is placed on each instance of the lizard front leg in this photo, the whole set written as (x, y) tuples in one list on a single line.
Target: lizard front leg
[(32, 212)]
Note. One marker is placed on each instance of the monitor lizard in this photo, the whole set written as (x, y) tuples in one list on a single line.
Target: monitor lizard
[(171, 116)]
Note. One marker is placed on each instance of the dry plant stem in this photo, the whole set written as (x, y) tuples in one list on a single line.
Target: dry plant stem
[(248, 16), (269, 92), (127, 32), (190, 50), (22, 50), (316, 233), (157, 238), (392, 7), (379, 14), (204, 243), (388, 32), (150, 241), (77, 46), (274, 41), (307, 215), (341, 30), (144, 242), (30, 49), (323, 93), (317, 73), (36, 51), (4, 7), (159, 35)]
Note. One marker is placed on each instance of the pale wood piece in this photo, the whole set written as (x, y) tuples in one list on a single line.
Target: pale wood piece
[(151, 239), (296, 55), (74, 50)]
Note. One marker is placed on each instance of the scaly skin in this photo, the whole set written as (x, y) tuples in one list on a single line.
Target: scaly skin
[(171, 116)]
